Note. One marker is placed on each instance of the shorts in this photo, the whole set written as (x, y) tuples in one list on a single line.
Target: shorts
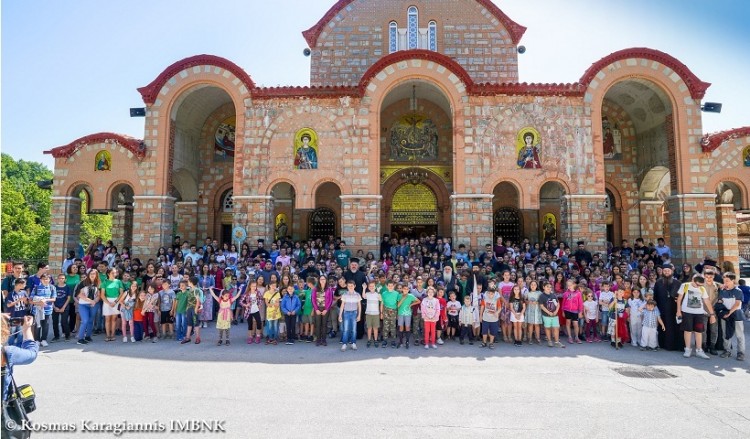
[(693, 322), (307, 319), (372, 321), (404, 321), (571, 315), (514, 320), (551, 321), (490, 328), (191, 320), (165, 318), (440, 325), (453, 321), (254, 317)]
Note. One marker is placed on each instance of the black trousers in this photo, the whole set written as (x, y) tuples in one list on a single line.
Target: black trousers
[(42, 332), (467, 331), (291, 327), (57, 319)]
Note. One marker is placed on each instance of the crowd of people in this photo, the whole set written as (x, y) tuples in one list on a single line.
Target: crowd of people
[(424, 291)]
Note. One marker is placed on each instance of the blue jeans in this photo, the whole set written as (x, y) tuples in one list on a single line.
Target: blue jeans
[(97, 319), (86, 328), (349, 330), (180, 325), (604, 321), (272, 329), (16, 336)]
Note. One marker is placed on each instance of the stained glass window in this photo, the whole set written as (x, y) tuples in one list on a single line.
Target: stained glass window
[(227, 201), (412, 27), (432, 36), (392, 37)]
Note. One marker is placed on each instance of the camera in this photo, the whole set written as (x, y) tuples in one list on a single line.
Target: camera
[(17, 321)]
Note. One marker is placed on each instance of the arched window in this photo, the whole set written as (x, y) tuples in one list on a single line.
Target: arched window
[(432, 36), (322, 223), (412, 27), (227, 201), (393, 37)]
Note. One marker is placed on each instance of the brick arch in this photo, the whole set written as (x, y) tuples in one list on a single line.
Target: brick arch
[(666, 73), (75, 188), (616, 189), (435, 69), (438, 187), (729, 175), (191, 77), (523, 196), (305, 193), (111, 194)]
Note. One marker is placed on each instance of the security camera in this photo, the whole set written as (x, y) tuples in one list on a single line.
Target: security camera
[(521, 49), (306, 52)]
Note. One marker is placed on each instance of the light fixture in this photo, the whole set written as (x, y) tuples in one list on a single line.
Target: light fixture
[(138, 112), (414, 176), (711, 107)]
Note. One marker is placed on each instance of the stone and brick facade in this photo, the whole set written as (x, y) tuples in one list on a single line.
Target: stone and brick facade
[(452, 73)]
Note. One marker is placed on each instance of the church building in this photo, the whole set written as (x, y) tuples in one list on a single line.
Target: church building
[(415, 122)]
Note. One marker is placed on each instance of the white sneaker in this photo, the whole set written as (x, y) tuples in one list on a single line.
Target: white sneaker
[(440, 341), (343, 347), (124, 339), (44, 343), (132, 339), (700, 354), (426, 346), (354, 346), (434, 347), (688, 353)]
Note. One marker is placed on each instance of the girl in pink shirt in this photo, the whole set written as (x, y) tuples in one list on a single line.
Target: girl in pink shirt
[(573, 308), (430, 308)]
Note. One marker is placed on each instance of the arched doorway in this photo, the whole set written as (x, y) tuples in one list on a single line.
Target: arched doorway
[(121, 204), (322, 224), (550, 200), (225, 215), (416, 159), (283, 195), (414, 211), (507, 220)]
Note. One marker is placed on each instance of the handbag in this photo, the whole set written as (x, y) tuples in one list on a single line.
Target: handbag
[(20, 402)]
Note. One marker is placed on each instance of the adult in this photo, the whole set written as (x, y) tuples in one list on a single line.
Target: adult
[(665, 293), (582, 255), (87, 292), (8, 284), (110, 293), (449, 279), (261, 251), (690, 310), (322, 300), (342, 256), (711, 331), (731, 298), (14, 355), (662, 248)]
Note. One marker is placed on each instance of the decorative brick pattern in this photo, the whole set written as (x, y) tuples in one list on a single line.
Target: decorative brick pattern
[(65, 229), (471, 218), (153, 223), (693, 227), (122, 226), (582, 218), (360, 221), (186, 221), (726, 220)]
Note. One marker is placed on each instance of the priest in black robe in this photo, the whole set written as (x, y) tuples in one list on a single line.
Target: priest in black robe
[(666, 291)]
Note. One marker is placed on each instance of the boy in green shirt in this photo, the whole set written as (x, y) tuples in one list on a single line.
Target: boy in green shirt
[(179, 310), (306, 299), (390, 304), (405, 302)]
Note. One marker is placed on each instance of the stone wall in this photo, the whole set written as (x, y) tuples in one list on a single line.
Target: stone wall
[(471, 215)]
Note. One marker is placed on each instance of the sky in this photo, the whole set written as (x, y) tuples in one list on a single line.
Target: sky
[(72, 68)]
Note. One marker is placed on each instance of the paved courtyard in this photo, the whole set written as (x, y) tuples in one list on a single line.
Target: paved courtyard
[(456, 391)]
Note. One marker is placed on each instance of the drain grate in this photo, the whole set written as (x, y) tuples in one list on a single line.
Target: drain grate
[(644, 372)]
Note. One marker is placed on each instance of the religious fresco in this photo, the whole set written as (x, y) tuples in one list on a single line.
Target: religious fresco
[(414, 136), (746, 156), (612, 140), (528, 143), (281, 226), (549, 227), (103, 161), (306, 149), (224, 137)]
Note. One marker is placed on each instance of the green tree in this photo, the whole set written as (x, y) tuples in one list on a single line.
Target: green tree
[(94, 226)]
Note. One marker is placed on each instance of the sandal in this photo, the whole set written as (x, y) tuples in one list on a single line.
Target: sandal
[(218, 343), (197, 340)]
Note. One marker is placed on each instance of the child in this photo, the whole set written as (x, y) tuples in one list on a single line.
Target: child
[(517, 308), (605, 299), (17, 302), (373, 312), (251, 303), (476, 299), (491, 306), (179, 311), (127, 303), (618, 329), (549, 304), (290, 307), (390, 313), (430, 308), (273, 314), (442, 323), (591, 313), (533, 312), (138, 316), (651, 317), (60, 308), (193, 306), (573, 308), (404, 314), (166, 298), (306, 298), (237, 311), (466, 318), (350, 313), (224, 317), (453, 309), (149, 308), (636, 306)]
